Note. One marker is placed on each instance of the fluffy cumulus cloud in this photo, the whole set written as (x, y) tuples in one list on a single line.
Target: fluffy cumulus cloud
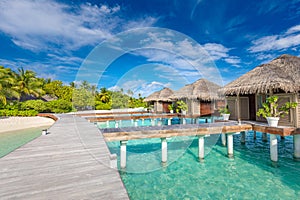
[(40, 25), (288, 39)]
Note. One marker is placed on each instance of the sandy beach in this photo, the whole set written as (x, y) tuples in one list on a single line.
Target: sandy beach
[(18, 123)]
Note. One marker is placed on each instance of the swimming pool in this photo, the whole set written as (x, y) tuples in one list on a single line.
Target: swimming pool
[(9, 141), (250, 175)]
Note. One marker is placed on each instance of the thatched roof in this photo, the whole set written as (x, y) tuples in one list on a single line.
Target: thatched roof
[(201, 89), (162, 95), (281, 73)]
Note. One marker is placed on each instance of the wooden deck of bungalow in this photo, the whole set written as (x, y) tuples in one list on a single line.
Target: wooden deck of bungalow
[(71, 162)]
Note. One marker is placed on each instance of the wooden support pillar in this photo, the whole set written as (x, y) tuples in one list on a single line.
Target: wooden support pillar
[(152, 122), (273, 148), (164, 150), (254, 135), (243, 137), (264, 137), (169, 121), (297, 147), (206, 120), (238, 107), (135, 122), (123, 154), (230, 145), (201, 147), (223, 139)]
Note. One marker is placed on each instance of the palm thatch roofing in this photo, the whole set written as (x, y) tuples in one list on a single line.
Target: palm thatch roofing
[(162, 95), (282, 73), (202, 89)]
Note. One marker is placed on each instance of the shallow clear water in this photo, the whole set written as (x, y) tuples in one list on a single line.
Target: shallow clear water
[(12, 140), (250, 175), (149, 122)]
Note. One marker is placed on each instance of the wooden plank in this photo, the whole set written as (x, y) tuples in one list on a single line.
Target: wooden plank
[(71, 162)]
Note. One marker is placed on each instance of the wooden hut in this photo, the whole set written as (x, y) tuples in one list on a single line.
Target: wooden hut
[(160, 100), (280, 77), (201, 97)]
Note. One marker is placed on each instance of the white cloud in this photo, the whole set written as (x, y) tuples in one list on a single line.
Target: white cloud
[(40, 25), (289, 39)]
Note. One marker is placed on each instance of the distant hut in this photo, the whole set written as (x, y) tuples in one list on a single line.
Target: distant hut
[(280, 77), (160, 100), (201, 97)]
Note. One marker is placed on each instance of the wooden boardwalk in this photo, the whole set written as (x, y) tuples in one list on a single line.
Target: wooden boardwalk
[(71, 162)]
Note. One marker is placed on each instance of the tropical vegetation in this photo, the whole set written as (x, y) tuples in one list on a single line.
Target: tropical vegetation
[(22, 93)]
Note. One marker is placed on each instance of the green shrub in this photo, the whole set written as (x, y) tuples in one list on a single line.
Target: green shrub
[(99, 105), (21, 113), (38, 105), (59, 106)]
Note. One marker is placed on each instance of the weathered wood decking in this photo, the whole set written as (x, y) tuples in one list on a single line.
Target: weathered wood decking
[(72, 162)]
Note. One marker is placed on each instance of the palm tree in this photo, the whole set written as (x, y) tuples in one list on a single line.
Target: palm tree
[(6, 82), (104, 95), (28, 84)]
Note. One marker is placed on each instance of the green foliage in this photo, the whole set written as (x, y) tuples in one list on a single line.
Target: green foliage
[(119, 100), (171, 107), (181, 105), (57, 89), (20, 113), (271, 108), (38, 105), (224, 110), (99, 105), (84, 96), (59, 106)]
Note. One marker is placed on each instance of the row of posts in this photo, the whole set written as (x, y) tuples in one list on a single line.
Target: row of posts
[(229, 136), (118, 123)]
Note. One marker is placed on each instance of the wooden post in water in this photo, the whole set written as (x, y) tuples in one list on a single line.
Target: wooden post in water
[(123, 154), (223, 139), (273, 148), (230, 145), (254, 135), (169, 121), (297, 147), (201, 147), (264, 137), (243, 137), (164, 150)]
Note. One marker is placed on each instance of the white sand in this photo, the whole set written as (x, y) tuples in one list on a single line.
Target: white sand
[(18, 123)]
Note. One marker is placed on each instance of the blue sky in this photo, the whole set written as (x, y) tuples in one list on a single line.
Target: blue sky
[(214, 39)]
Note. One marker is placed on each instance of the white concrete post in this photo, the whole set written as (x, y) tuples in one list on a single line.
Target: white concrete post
[(107, 124), (297, 147), (243, 137), (120, 123), (264, 137), (223, 139), (273, 147), (164, 150), (230, 145), (152, 122), (183, 121), (169, 121), (201, 147), (135, 123), (116, 124), (143, 121), (123, 154)]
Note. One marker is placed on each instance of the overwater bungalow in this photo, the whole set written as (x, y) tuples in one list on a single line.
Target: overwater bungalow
[(280, 77), (160, 100), (201, 97)]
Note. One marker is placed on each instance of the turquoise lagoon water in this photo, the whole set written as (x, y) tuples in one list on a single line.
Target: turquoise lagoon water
[(250, 175), (148, 122), (12, 140)]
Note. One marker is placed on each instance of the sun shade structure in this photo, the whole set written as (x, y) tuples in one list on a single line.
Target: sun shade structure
[(162, 95), (202, 89), (282, 73)]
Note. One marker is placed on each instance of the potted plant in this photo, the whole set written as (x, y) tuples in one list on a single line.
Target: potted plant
[(225, 112), (181, 105), (271, 110), (171, 108)]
